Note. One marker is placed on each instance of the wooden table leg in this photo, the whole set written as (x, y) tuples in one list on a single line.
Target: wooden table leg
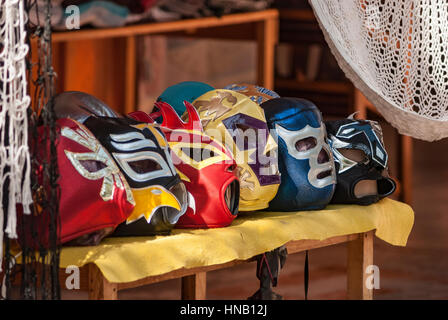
[(194, 286), (359, 257), (267, 35), (99, 287)]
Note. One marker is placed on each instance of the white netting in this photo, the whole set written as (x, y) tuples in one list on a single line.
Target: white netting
[(14, 101), (395, 53)]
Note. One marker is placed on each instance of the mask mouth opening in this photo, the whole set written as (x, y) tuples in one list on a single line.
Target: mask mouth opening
[(324, 174), (170, 214), (232, 196), (382, 187), (386, 187)]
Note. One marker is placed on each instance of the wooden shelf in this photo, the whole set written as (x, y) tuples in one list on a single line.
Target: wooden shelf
[(297, 14), (102, 62), (336, 87), (188, 25)]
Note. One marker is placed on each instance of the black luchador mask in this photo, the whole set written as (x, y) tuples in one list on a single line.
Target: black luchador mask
[(360, 156), (143, 156)]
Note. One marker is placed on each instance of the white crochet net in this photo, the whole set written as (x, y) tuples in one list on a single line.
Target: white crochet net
[(14, 102), (395, 53)]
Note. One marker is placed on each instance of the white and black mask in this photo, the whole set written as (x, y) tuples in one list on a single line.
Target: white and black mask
[(143, 156), (364, 137)]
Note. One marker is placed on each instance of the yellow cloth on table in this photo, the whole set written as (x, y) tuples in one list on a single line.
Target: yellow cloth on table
[(134, 258)]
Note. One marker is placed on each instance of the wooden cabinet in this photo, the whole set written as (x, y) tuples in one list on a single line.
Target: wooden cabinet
[(102, 62)]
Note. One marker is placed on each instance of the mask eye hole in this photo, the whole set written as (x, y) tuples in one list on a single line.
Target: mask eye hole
[(198, 154), (354, 155), (92, 165), (323, 157), (144, 166), (306, 144)]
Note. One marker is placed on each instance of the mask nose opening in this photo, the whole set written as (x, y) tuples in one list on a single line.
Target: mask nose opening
[(232, 196), (323, 157)]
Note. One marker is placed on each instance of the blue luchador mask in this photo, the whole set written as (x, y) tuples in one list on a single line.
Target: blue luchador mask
[(305, 161)]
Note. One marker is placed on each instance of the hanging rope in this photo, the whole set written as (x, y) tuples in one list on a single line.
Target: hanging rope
[(28, 181), (14, 102), (395, 53), (44, 225)]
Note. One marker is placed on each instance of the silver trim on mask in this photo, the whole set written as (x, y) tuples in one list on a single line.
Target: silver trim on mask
[(124, 158), (377, 132), (111, 174), (344, 162), (123, 141), (191, 202), (291, 138), (128, 136), (134, 145)]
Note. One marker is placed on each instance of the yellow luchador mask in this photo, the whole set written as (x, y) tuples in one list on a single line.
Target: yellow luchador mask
[(239, 123)]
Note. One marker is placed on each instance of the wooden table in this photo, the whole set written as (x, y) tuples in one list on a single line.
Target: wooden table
[(360, 255), (103, 61)]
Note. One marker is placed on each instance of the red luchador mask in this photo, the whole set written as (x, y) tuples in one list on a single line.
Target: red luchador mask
[(95, 197), (206, 167)]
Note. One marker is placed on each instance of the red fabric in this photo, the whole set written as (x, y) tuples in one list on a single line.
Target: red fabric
[(142, 116), (206, 185), (82, 210)]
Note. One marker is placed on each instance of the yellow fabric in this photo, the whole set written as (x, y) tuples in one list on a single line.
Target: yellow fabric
[(148, 200), (130, 259)]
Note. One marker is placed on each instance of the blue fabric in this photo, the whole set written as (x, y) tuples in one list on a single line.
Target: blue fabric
[(112, 8), (295, 191), (100, 14)]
